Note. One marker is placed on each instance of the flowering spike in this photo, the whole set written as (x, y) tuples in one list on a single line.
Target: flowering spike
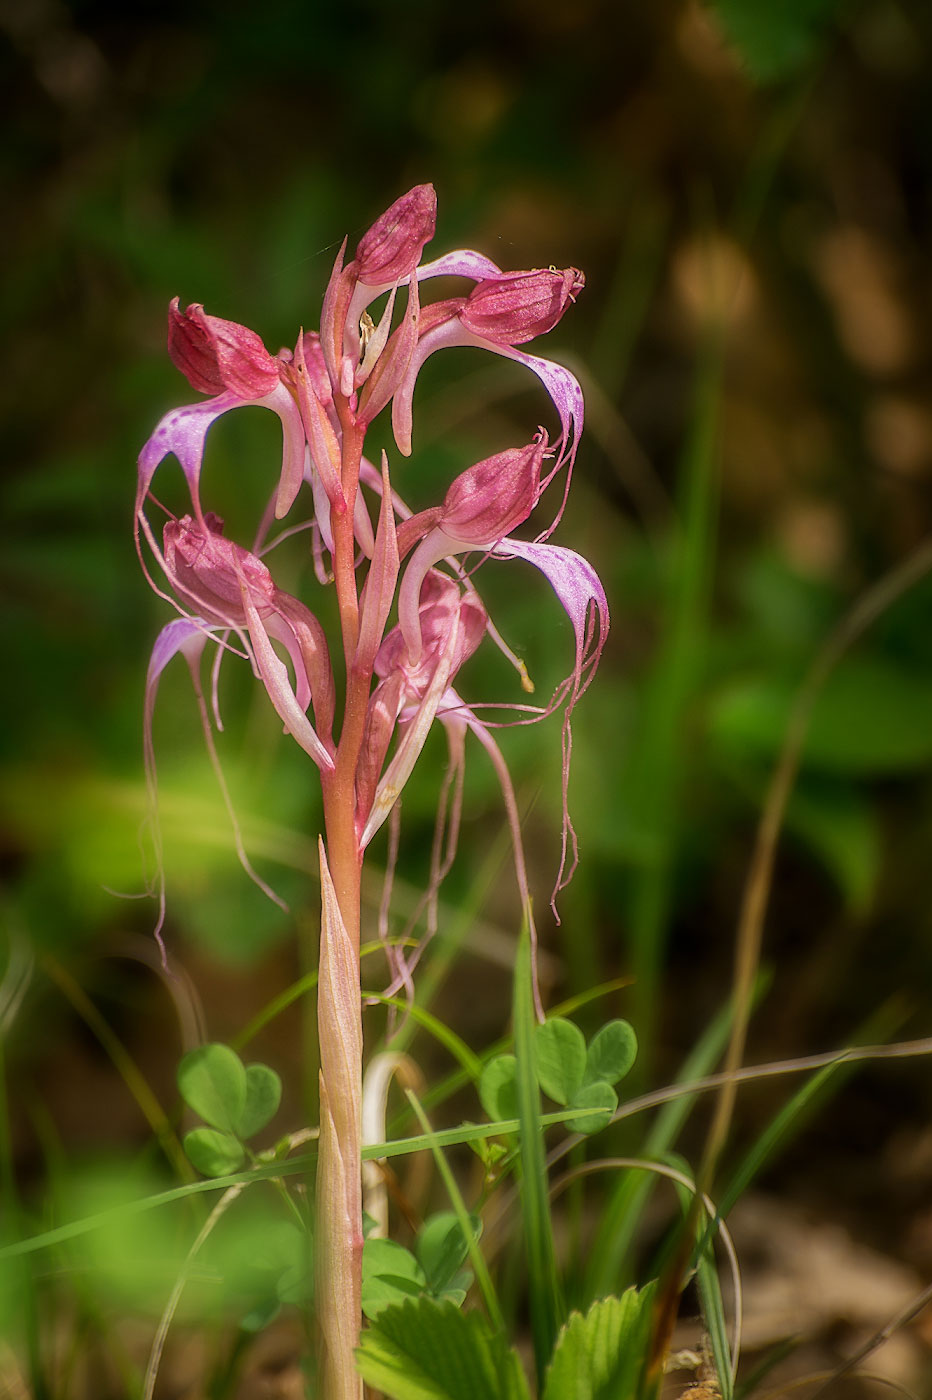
[(517, 306), (216, 355), (393, 245)]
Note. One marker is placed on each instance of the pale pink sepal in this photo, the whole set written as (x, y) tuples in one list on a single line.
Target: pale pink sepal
[(406, 755), (391, 368), (182, 432), (379, 592), (274, 675), (463, 262)]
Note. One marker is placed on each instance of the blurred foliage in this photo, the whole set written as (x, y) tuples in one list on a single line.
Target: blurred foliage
[(747, 188)]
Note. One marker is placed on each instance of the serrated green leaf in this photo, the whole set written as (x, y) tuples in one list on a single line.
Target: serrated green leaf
[(598, 1095), (390, 1273), (599, 1356), (212, 1152), (497, 1092), (429, 1350), (560, 1049), (212, 1081), (381, 1256), (386, 1290), (263, 1096), (612, 1052)]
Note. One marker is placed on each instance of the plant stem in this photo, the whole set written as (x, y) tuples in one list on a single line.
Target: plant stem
[(339, 1178)]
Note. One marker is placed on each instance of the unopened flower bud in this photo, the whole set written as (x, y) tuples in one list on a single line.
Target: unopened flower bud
[(216, 355), (518, 306), (392, 247), (210, 571), (488, 500)]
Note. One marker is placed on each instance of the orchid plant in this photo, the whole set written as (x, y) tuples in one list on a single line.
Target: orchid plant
[(383, 562)]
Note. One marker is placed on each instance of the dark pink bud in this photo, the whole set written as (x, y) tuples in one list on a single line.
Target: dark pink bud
[(216, 355), (518, 306), (392, 247), (210, 571), (488, 500)]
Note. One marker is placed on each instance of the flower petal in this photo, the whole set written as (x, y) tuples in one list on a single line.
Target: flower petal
[(402, 764), (274, 675)]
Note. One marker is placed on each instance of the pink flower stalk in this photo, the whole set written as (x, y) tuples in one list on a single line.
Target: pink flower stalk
[(377, 556)]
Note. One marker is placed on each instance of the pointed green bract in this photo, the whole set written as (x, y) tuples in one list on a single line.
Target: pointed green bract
[(599, 1356), (427, 1350)]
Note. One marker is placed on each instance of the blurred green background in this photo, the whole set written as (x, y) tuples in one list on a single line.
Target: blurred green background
[(748, 191)]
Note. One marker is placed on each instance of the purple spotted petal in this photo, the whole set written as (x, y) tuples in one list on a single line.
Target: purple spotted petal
[(580, 590)]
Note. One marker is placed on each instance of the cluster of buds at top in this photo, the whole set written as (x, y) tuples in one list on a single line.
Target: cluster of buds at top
[(326, 391)]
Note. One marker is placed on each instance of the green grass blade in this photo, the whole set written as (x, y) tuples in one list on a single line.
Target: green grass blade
[(713, 1311), (791, 1118), (469, 1062), (543, 1291), (624, 1208), (657, 765), (480, 1269)]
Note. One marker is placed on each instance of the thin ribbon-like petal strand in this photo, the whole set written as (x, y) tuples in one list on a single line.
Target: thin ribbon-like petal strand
[(579, 589), (188, 636)]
